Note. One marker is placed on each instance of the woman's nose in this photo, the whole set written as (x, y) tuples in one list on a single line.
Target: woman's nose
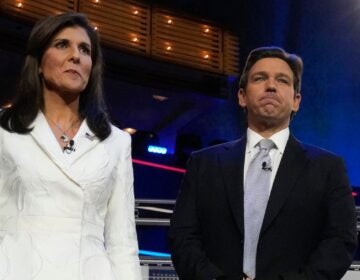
[(74, 55)]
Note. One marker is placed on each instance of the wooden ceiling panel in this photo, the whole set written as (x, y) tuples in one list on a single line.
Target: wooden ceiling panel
[(186, 41), (122, 24), (231, 54), (140, 28), (37, 9)]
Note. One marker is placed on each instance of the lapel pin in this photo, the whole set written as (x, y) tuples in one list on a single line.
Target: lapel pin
[(90, 136)]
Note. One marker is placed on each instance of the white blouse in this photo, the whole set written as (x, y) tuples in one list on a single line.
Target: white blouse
[(66, 216)]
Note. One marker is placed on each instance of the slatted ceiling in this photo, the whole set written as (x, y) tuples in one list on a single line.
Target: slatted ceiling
[(116, 28), (231, 42), (200, 63), (123, 6), (109, 39), (183, 35), (180, 49), (176, 50), (123, 24), (182, 56), (198, 29), (137, 27), (206, 59), (231, 54), (190, 41), (185, 41), (182, 29), (37, 9), (109, 10)]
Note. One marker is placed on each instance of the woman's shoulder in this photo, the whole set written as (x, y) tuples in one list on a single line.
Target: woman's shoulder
[(117, 142), (119, 135)]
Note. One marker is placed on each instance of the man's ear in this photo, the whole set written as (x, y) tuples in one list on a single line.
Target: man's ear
[(296, 103), (242, 97)]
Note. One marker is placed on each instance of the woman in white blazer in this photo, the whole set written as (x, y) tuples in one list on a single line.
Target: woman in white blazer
[(66, 178)]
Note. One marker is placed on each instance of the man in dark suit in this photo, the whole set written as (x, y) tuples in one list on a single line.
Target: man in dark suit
[(307, 228)]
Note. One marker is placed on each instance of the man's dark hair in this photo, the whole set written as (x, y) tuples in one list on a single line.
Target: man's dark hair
[(294, 61), (29, 98)]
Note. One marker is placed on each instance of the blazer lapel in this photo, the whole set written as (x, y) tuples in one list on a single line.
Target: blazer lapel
[(232, 165), (290, 169), (43, 136), (46, 140), (84, 141)]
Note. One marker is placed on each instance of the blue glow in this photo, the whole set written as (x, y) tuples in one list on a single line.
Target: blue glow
[(232, 78), (154, 254), (157, 149)]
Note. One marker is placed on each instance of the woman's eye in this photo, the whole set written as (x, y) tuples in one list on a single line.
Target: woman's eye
[(61, 45), (85, 50)]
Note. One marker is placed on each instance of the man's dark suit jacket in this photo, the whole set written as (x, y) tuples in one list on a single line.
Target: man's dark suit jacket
[(309, 228)]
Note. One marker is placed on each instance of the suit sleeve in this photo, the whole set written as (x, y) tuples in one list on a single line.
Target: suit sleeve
[(185, 237), (334, 253), (120, 232)]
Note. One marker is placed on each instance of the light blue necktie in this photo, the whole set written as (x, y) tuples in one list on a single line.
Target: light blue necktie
[(256, 195)]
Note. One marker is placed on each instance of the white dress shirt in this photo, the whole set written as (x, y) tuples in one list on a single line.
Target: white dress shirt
[(280, 139)]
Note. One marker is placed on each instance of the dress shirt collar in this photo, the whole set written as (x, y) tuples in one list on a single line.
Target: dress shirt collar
[(279, 138)]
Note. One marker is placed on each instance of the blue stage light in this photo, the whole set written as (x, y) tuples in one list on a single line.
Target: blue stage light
[(154, 254), (157, 149)]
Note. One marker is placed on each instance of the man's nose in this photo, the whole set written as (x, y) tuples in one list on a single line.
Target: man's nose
[(271, 85)]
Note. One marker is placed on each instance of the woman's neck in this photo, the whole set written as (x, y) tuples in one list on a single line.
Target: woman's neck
[(61, 108)]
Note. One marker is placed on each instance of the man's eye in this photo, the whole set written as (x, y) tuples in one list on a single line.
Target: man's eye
[(283, 81), (258, 78)]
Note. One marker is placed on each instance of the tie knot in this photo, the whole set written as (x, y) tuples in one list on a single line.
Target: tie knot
[(266, 144)]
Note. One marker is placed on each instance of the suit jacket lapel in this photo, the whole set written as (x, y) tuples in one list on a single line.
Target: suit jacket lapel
[(232, 164), (43, 136), (84, 140), (46, 140), (291, 165)]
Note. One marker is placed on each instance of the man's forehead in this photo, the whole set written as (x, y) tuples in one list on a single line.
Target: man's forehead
[(271, 65)]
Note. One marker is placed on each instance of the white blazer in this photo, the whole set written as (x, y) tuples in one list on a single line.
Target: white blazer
[(66, 216)]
